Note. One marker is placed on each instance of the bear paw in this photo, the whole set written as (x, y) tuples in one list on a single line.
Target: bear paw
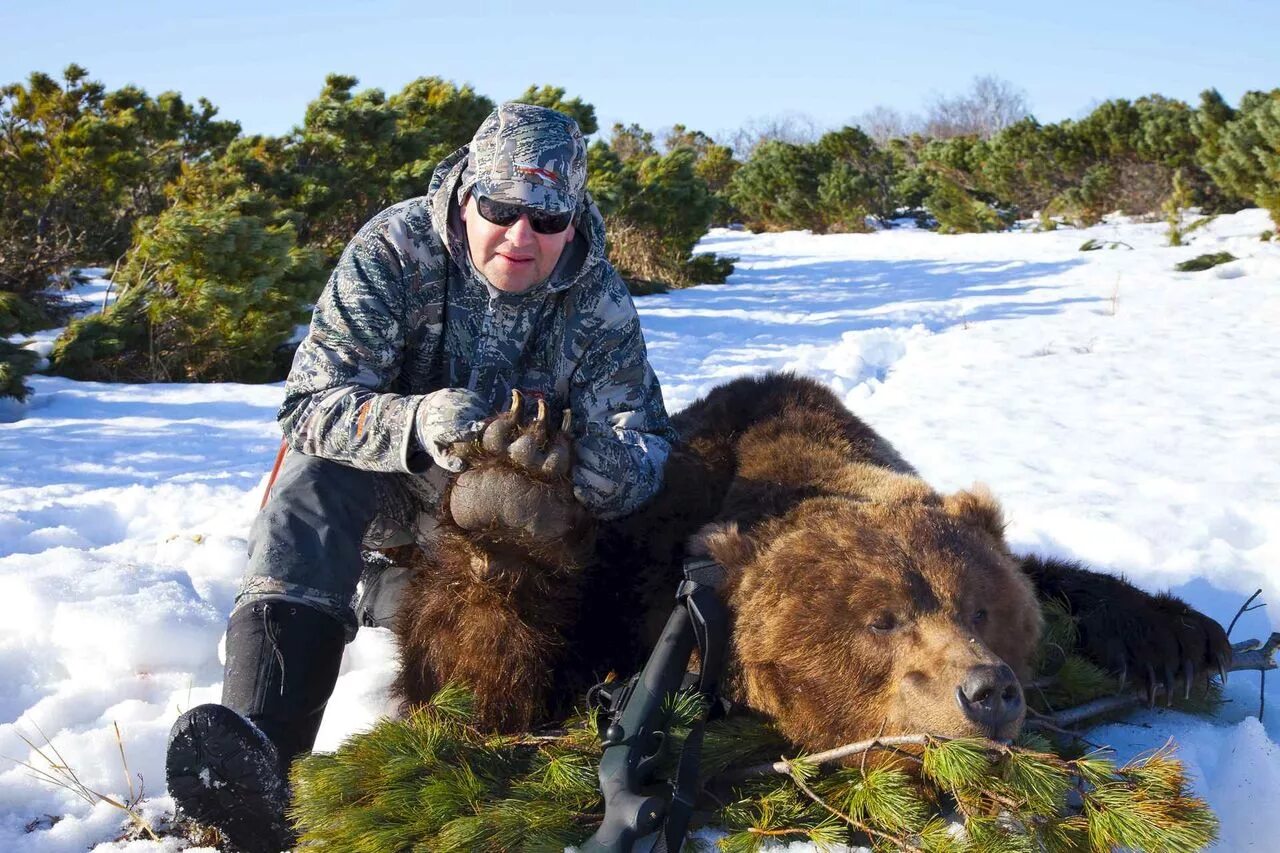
[(518, 480), (1159, 641)]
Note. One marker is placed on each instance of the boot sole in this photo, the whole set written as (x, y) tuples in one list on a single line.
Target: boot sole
[(223, 773)]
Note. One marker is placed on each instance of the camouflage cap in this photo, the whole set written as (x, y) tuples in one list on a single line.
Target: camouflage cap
[(528, 155)]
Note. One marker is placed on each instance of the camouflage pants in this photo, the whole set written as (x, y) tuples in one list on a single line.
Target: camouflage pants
[(306, 543)]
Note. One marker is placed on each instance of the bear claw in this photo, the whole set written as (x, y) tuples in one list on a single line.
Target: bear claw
[(526, 451), (498, 433), (557, 461)]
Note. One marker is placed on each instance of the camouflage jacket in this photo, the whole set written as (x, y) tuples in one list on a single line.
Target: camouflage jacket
[(405, 313)]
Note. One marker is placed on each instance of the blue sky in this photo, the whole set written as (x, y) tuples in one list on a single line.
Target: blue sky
[(713, 65)]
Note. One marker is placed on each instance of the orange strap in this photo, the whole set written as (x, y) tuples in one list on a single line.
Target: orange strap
[(275, 469)]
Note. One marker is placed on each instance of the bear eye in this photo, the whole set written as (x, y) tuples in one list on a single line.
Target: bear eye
[(884, 623), (979, 616)]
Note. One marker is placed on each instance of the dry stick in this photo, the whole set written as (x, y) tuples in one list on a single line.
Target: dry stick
[(63, 776), (829, 755), (128, 777), (1048, 722), (1245, 608)]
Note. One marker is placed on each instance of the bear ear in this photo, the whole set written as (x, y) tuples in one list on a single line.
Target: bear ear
[(724, 543), (979, 507)]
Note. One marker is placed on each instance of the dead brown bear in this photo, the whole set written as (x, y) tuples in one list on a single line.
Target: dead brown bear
[(862, 600)]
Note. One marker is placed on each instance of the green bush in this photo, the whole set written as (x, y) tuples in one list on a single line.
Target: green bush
[(958, 211), (778, 187), (714, 164), (16, 363), (18, 315), (79, 165), (656, 208), (1240, 149), (553, 98), (1206, 261), (1028, 165), (212, 289), (861, 177), (359, 152), (1092, 199)]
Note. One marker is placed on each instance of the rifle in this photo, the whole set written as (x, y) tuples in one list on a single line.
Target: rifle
[(640, 714)]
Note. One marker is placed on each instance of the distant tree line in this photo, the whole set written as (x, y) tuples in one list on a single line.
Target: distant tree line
[(219, 242)]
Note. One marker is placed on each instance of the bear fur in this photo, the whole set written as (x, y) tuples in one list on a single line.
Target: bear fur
[(861, 600)]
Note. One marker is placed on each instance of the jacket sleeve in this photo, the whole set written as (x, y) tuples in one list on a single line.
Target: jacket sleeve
[(623, 448), (337, 404)]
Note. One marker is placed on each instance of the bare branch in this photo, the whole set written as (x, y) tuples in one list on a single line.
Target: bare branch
[(1244, 608), (829, 756), (990, 106)]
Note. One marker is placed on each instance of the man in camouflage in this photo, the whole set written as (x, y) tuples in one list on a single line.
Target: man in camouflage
[(439, 308)]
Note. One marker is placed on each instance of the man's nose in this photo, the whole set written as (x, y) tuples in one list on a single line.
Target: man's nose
[(521, 231)]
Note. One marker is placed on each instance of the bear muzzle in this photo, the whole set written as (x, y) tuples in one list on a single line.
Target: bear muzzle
[(991, 698)]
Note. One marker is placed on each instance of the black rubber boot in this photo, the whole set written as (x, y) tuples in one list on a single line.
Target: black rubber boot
[(227, 764)]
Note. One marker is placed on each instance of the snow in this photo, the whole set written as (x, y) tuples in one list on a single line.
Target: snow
[(1124, 413), (90, 295)]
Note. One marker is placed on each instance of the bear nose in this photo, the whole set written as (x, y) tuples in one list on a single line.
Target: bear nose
[(990, 696)]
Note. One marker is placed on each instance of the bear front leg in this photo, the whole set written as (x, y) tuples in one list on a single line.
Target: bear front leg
[(490, 605), (1154, 639)]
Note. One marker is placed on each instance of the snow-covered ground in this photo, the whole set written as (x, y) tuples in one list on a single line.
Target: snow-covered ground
[(1126, 414)]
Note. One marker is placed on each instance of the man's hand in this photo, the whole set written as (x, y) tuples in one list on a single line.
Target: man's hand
[(447, 417)]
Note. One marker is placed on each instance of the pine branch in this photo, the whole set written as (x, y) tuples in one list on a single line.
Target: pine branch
[(798, 778), (433, 781)]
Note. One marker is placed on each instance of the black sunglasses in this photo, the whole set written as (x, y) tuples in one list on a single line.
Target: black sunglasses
[(506, 215)]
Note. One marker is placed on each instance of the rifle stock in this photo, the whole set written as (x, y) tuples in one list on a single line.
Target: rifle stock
[(634, 743)]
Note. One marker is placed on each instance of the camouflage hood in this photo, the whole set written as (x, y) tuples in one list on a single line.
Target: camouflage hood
[(583, 258)]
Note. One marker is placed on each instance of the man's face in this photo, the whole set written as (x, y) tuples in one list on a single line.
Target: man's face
[(512, 257)]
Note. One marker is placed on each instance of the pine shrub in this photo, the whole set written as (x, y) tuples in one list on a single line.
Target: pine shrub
[(1092, 199), (1241, 151), (359, 152), (212, 289), (656, 209), (16, 363), (1205, 262), (79, 165), (1178, 200), (959, 212), (858, 182), (18, 315), (554, 98), (778, 187)]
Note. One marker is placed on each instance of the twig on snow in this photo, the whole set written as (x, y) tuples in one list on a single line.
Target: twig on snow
[(1245, 608)]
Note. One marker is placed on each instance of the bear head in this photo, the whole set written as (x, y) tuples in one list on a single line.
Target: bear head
[(901, 615)]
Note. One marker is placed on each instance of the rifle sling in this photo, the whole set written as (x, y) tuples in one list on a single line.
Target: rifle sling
[(711, 628)]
